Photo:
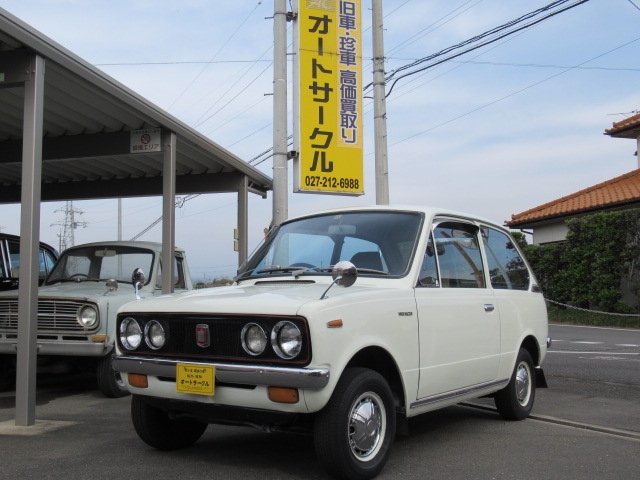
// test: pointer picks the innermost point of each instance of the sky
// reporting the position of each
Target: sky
(494, 132)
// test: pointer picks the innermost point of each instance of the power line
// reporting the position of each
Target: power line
(484, 39)
(514, 93)
(215, 54)
(180, 201)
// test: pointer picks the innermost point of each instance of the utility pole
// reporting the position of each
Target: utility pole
(280, 168)
(379, 106)
(69, 224)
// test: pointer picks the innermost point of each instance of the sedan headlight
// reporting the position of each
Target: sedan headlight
(254, 340)
(87, 317)
(130, 333)
(154, 335)
(286, 339)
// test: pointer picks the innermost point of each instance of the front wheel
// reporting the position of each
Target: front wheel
(354, 432)
(157, 429)
(514, 402)
(110, 382)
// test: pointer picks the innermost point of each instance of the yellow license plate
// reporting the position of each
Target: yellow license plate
(198, 379)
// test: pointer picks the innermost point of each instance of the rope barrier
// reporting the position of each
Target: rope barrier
(593, 311)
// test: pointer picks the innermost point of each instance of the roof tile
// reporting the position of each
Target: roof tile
(621, 190)
(631, 123)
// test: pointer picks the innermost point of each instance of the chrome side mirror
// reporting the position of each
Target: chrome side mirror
(344, 274)
(137, 278)
(112, 285)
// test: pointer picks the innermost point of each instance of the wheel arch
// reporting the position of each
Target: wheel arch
(531, 345)
(380, 360)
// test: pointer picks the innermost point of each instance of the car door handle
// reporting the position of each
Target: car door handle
(488, 307)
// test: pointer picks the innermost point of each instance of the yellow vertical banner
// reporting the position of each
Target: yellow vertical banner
(330, 97)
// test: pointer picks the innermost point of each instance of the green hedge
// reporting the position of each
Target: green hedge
(601, 253)
(569, 316)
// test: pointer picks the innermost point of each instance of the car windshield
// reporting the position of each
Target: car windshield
(101, 263)
(376, 242)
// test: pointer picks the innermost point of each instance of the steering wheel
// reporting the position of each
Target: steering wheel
(79, 275)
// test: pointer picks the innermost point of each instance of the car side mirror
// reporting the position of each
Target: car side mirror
(344, 274)
(137, 278)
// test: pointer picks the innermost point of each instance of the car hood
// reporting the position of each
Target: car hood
(96, 291)
(282, 298)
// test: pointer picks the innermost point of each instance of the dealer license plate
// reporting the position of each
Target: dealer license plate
(198, 379)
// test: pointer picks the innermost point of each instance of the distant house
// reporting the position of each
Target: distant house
(548, 222)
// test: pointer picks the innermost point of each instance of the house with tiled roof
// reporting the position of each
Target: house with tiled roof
(547, 222)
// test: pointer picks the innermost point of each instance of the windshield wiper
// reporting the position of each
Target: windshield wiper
(371, 270)
(282, 269)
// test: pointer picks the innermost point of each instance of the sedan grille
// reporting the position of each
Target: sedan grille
(53, 316)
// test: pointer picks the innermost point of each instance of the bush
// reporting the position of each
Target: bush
(599, 260)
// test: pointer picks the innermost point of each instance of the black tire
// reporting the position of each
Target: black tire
(110, 382)
(154, 427)
(515, 401)
(342, 452)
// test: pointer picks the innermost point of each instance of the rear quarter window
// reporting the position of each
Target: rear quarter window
(507, 269)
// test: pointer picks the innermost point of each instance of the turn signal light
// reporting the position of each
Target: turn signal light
(283, 395)
(137, 380)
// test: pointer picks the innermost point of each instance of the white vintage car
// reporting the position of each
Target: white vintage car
(78, 302)
(344, 323)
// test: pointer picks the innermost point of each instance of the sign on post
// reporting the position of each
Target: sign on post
(329, 79)
(146, 141)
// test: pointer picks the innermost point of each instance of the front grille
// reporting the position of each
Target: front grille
(225, 338)
(53, 316)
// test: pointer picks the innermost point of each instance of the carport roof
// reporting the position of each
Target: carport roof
(87, 136)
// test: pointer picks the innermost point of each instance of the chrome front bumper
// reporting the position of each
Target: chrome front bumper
(313, 378)
(71, 349)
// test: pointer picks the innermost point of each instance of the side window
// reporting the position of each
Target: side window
(458, 254)
(42, 269)
(14, 258)
(429, 269)
(507, 269)
(178, 274)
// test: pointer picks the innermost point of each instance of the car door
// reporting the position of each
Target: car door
(459, 322)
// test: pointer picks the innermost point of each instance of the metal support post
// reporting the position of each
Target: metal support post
(29, 244)
(379, 107)
(280, 169)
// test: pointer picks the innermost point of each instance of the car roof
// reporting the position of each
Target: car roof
(155, 246)
(428, 211)
(8, 236)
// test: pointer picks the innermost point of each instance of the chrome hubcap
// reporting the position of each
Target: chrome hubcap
(367, 425)
(523, 383)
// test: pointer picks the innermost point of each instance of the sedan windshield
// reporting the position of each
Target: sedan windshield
(376, 242)
(101, 263)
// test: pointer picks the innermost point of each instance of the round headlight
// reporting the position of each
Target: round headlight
(254, 340)
(154, 335)
(87, 317)
(130, 333)
(286, 339)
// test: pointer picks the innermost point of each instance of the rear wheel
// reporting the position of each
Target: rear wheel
(353, 434)
(154, 426)
(110, 382)
(515, 401)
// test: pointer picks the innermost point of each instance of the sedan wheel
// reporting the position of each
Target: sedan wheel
(515, 401)
(353, 434)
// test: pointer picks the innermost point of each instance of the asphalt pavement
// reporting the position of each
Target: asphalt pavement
(574, 432)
